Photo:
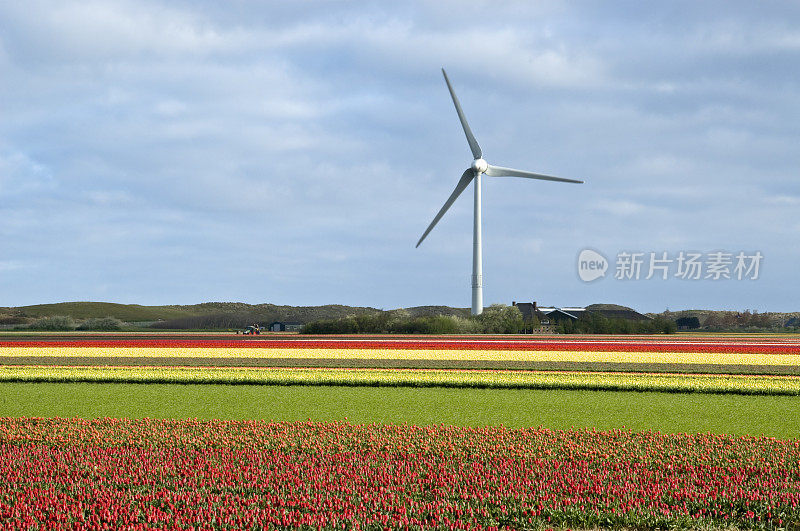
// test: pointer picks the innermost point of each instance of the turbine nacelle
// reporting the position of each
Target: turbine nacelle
(480, 165)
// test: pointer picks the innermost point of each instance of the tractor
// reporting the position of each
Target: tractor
(252, 330)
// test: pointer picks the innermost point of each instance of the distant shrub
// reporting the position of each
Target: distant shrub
(467, 325)
(354, 324)
(53, 323)
(501, 319)
(688, 322)
(104, 324)
(212, 321)
(497, 319)
(593, 323)
(433, 324)
(12, 320)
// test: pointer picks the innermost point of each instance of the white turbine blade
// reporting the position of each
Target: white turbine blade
(473, 144)
(466, 178)
(499, 171)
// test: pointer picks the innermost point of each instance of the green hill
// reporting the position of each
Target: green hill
(85, 310)
(182, 316)
(236, 314)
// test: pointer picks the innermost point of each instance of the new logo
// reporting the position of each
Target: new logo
(591, 265)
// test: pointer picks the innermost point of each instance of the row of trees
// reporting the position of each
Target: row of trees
(497, 319)
(730, 321)
(61, 323)
(593, 323)
(224, 321)
(734, 320)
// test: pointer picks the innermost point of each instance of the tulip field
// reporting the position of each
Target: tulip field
(436, 378)
(641, 354)
(108, 473)
(491, 432)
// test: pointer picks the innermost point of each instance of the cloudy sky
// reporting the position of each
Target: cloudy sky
(294, 152)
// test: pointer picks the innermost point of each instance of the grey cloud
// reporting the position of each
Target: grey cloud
(177, 152)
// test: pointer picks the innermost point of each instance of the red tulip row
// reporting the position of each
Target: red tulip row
(588, 345)
(215, 474)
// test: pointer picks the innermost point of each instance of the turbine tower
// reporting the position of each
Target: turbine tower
(479, 167)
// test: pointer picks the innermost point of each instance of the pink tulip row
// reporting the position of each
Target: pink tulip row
(111, 473)
(528, 343)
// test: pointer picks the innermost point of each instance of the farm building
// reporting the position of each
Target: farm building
(549, 316)
(280, 326)
(556, 315)
(687, 322)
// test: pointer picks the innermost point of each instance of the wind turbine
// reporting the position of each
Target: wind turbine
(479, 167)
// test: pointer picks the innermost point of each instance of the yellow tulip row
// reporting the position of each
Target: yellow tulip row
(704, 383)
(697, 358)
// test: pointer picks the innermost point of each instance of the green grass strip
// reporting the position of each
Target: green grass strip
(490, 379)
